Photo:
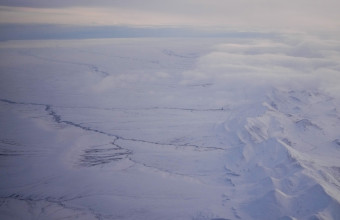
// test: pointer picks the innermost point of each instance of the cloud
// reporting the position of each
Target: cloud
(50, 4)
(312, 14)
(248, 66)
(127, 81)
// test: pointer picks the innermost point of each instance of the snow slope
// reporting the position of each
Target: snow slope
(170, 129)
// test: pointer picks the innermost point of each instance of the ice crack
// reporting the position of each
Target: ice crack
(103, 155)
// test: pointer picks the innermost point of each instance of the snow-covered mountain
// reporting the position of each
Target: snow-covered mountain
(170, 129)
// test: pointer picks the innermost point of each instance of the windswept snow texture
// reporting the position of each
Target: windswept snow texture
(198, 129)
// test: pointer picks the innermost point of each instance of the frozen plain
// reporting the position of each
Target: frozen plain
(197, 129)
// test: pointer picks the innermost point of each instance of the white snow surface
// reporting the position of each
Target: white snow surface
(199, 129)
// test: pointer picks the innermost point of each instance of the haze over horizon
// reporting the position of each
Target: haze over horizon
(260, 15)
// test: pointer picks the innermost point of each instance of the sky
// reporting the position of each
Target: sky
(234, 14)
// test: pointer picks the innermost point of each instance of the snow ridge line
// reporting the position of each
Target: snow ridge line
(280, 173)
(173, 53)
(190, 109)
(222, 109)
(31, 201)
(93, 68)
(134, 59)
(58, 119)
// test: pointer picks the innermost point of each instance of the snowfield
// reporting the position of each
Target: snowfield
(157, 128)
